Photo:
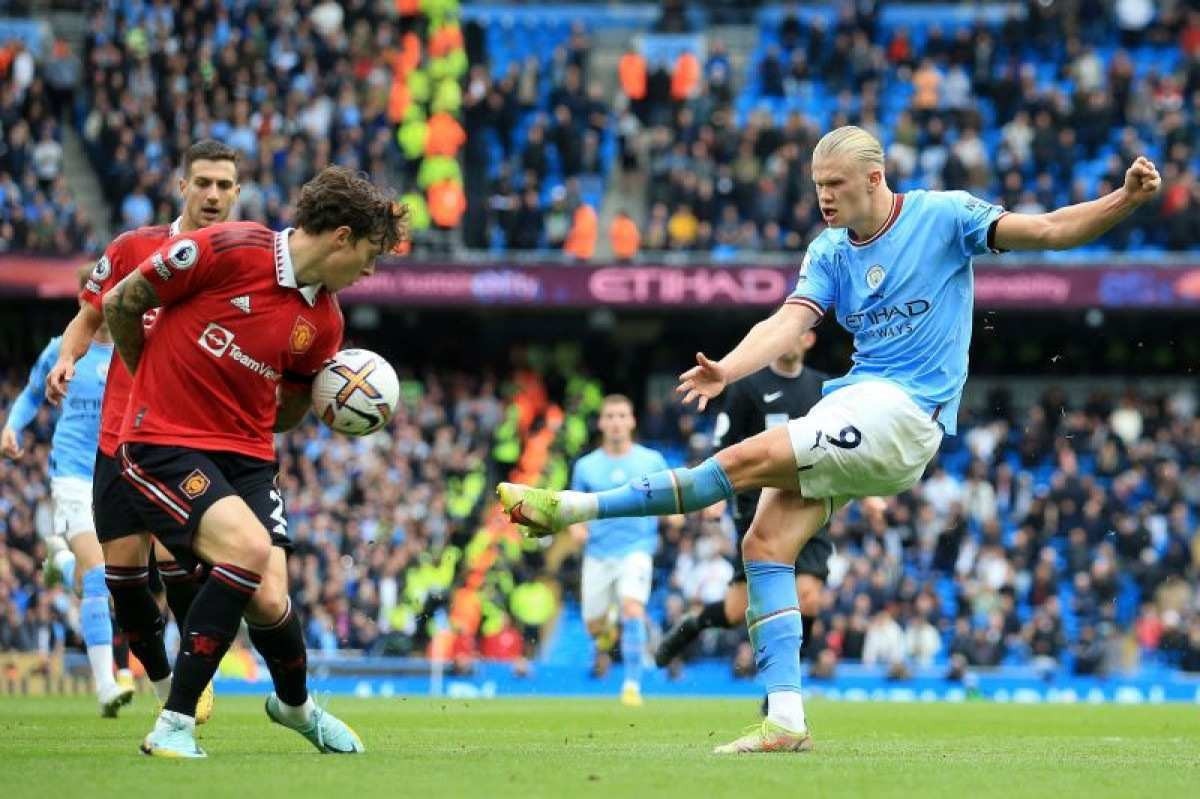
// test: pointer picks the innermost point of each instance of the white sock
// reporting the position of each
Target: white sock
(631, 685)
(124, 674)
(169, 719)
(162, 688)
(786, 708)
(101, 658)
(578, 506)
(297, 714)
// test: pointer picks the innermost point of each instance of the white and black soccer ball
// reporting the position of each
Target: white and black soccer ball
(355, 392)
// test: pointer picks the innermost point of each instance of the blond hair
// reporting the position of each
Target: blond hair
(851, 142)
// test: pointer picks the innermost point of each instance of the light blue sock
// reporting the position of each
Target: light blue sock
(633, 647)
(668, 491)
(773, 618)
(94, 621)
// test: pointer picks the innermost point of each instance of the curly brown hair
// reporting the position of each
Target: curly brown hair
(339, 197)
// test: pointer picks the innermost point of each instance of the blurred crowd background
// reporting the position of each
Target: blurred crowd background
(514, 132)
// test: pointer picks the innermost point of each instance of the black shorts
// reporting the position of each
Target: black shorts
(172, 487)
(112, 503)
(813, 559)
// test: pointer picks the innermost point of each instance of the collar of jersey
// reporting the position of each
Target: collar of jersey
(285, 272)
(897, 205)
(176, 227)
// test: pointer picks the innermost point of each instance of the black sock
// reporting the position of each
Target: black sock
(282, 647)
(713, 615)
(120, 646)
(138, 617)
(806, 625)
(181, 586)
(208, 631)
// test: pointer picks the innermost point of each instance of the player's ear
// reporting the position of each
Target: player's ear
(342, 237)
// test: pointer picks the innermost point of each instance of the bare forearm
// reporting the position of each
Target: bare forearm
(77, 337)
(1076, 225)
(292, 410)
(124, 307)
(766, 341)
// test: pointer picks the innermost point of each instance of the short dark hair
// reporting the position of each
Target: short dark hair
(339, 196)
(208, 150)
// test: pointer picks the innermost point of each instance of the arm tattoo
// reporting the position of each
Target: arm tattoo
(123, 309)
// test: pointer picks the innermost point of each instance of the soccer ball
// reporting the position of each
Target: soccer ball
(355, 392)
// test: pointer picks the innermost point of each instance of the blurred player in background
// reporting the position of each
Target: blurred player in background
(896, 270)
(73, 547)
(209, 189)
(618, 559)
(785, 390)
(248, 319)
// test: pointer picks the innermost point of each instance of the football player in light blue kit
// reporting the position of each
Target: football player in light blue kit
(618, 558)
(72, 457)
(896, 271)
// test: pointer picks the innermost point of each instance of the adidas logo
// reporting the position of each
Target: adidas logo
(242, 303)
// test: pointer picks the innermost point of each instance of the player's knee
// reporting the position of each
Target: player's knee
(760, 545)
(741, 461)
(632, 609)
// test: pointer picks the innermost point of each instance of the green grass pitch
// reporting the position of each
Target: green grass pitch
(56, 748)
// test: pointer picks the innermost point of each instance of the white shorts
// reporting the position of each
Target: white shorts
(867, 439)
(71, 498)
(606, 581)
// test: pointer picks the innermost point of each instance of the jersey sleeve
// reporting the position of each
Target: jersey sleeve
(975, 218)
(183, 266)
(25, 406)
(108, 272)
(815, 286)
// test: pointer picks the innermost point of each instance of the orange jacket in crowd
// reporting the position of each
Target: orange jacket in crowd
(581, 240)
(624, 236)
(447, 203)
(631, 69)
(685, 80)
(445, 136)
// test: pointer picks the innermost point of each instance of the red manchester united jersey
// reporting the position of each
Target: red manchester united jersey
(123, 255)
(234, 326)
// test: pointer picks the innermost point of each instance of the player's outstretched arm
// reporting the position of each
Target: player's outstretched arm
(124, 306)
(765, 342)
(1079, 224)
(76, 340)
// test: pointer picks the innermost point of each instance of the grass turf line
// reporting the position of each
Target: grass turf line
(58, 748)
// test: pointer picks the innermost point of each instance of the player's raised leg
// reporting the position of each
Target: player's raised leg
(762, 461)
(782, 525)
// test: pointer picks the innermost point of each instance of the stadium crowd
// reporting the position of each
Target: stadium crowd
(504, 141)
(1057, 536)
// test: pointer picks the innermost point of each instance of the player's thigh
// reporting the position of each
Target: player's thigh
(783, 523)
(113, 511)
(736, 602)
(866, 439)
(763, 460)
(270, 601)
(230, 532)
(598, 587)
(633, 584)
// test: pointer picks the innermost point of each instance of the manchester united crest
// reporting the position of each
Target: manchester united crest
(304, 333)
(195, 484)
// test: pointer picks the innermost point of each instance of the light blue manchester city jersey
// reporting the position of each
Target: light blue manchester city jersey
(73, 448)
(599, 471)
(906, 294)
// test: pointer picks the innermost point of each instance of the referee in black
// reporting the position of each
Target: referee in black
(786, 389)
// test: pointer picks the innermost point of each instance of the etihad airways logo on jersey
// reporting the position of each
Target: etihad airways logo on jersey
(888, 321)
(218, 341)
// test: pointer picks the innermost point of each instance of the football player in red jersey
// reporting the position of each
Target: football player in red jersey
(209, 189)
(249, 318)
